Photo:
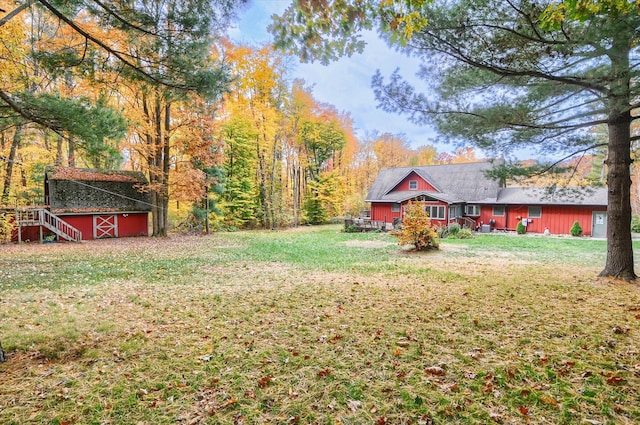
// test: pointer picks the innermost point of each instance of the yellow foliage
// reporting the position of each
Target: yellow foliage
(12, 46)
(417, 229)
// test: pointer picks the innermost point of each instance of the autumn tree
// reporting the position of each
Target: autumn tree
(416, 228)
(392, 150)
(322, 137)
(318, 141)
(254, 136)
(238, 200)
(40, 84)
(504, 75)
(161, 48)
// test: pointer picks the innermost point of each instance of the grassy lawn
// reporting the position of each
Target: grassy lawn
(316, 326)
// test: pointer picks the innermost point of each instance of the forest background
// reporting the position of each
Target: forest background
(261, 152)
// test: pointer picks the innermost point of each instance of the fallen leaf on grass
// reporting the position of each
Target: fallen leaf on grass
(265, 381)
(425, 420)
(619, 330)
(435, 370)
(548, 400)
(615, 380)
(229, 402)
(524, 410)
(324, 373)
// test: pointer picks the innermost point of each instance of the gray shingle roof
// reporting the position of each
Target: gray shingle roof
(549, 196)
(467, 183)
(79, 190)
(456, 183)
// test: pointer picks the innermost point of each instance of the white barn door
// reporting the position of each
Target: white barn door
(105, 226)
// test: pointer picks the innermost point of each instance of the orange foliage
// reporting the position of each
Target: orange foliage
(416, 228)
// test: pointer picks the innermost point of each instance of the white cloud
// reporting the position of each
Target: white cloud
(346, 83)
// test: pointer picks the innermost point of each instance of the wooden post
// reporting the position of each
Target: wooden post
(19, 226)
(206, 207)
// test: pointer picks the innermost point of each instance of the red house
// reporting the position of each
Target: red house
(86, 204)
(463, 194)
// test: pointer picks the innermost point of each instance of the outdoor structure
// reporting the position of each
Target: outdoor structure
(83, 204)
(463, 194)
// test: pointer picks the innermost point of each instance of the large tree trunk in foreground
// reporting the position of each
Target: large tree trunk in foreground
(619, 248)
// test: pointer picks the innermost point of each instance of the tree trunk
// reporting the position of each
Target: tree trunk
(166, 166)
(59, 141)
(262, 180)
(296, 182)
(619, 247)
(15, 144)
(157, 165)
(72, 152)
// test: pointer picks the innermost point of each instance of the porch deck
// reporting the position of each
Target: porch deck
(368, 225)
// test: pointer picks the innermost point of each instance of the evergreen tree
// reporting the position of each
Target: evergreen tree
(505, 75)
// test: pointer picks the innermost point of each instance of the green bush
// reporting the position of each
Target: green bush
(520, 229)
(453, 229)
(465, 234)
(351, 229)
(635, 224)
(576, 230)
(443, 232)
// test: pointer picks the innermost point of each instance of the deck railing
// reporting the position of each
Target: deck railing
(43, 217)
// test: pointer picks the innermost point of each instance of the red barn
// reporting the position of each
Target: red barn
(463, 194)
(88, 204)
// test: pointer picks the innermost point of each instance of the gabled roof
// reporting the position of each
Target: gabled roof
(84, 190)
(455, 183)
(592, 196)
(417, 170)
(92, 174)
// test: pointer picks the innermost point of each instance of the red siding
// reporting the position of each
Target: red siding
(129, 224)
(29, 234)
(381, 211)
(423, 185)
(486, 215)
(558, 219)
(133, 225)
(84, 223)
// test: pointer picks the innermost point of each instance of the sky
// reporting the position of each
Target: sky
(346, 83)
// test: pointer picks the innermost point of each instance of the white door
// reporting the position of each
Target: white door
(599, 228)
(105, 226)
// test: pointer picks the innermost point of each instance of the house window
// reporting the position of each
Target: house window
(413, 184)
(395, 207)
(472, 210)
(435, 212)
(535, 212)
(498, 210)
(455, 211)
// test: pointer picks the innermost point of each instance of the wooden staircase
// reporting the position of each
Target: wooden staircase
(42, 217)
